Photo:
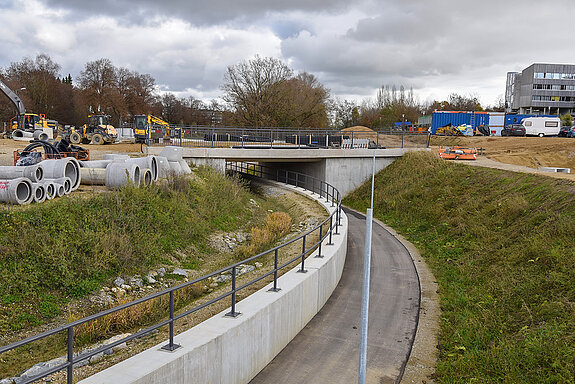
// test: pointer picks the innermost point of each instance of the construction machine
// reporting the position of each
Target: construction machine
(27, 122)
(97, 131)
(151, 128)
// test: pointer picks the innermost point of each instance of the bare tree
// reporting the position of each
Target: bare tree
(40, 79)
(99, 83)
(251, 89)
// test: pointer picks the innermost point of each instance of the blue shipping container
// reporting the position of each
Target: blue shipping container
(444, 118)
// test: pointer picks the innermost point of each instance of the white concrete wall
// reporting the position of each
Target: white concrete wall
(233, 350)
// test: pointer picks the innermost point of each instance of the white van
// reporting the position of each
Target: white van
(541, 126)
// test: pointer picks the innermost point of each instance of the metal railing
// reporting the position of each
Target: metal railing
(326, 229)
(271, 137)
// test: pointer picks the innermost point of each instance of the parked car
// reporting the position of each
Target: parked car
(513, 130)
(571, 132)
(564, 131)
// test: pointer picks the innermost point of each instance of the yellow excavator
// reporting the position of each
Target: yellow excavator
(27, 122)
(150, 128)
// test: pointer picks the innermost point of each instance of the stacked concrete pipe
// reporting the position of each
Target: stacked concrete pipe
(115, 170)
(147, 178)
(164, 169)
(20, 135)
(93, 176)
(38, 192)
(50, 189)
(148, 162)
(66, 182)
(33, 172)
(120, 174)
(175, 157)
(16, 191)
(67, 167)
(40, 135)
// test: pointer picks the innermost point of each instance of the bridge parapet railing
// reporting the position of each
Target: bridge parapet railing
(272, 137)
(310, 240)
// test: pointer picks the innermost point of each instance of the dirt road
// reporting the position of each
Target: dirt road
(533, 152)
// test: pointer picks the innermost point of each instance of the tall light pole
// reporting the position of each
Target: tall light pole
(366, 284)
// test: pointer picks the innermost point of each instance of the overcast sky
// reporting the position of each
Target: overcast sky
(353, 47)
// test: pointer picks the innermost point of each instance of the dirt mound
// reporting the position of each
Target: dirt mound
(357, 128)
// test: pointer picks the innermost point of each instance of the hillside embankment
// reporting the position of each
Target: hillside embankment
(502, 249)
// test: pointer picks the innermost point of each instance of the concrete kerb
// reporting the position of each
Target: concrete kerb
(234, 350)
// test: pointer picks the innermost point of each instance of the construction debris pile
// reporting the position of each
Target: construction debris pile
(23, 184)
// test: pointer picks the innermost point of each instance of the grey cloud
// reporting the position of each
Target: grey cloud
(198, 13)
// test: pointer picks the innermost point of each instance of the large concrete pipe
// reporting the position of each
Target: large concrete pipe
(147, 178)
(176, 168)
(185, 167)
(172, 153)
(20, 134)
(49, 188)
(59, 190)
(120, 174)
(40, 135)
(149, 162)
(164, 169)
(66, 182)
(33, 172)
(38, 192)
(93, 176)
(67, 167)
(116, 157)
(95, 163)
(16, 191)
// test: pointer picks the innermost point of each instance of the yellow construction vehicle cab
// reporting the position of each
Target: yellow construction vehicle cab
(29, 122)
(151, 128)
(98, 131)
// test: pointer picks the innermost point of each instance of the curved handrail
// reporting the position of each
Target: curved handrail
(299, 180)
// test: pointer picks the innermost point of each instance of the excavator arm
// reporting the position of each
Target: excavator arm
(13, 98)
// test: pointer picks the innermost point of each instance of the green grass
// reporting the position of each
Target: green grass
(66, 248)
(502, 247)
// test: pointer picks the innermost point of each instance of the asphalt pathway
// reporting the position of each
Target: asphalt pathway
(327, 349)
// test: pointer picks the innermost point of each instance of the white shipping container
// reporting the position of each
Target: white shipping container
(496, 123)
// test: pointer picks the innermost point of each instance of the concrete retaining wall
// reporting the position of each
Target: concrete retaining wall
(234, 350)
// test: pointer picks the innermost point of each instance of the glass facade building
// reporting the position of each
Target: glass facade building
(541, 89)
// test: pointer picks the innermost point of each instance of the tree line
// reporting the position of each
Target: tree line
(259, 92)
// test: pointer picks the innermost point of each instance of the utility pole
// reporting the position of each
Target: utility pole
(366, 284)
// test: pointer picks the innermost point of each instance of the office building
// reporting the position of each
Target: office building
(541, 89)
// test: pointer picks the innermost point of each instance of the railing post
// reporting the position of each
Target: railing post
(320, 241)
(327, 193)
(171, 346)
(233, 312)
(275, 287)
(296, 179)
(337, 222)
(330, 230)
(70, 368)
(303, 270)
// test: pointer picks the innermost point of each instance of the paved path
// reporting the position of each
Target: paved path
(327, 349)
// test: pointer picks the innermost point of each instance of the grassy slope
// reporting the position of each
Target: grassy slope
(502, 247)
(70, 246)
